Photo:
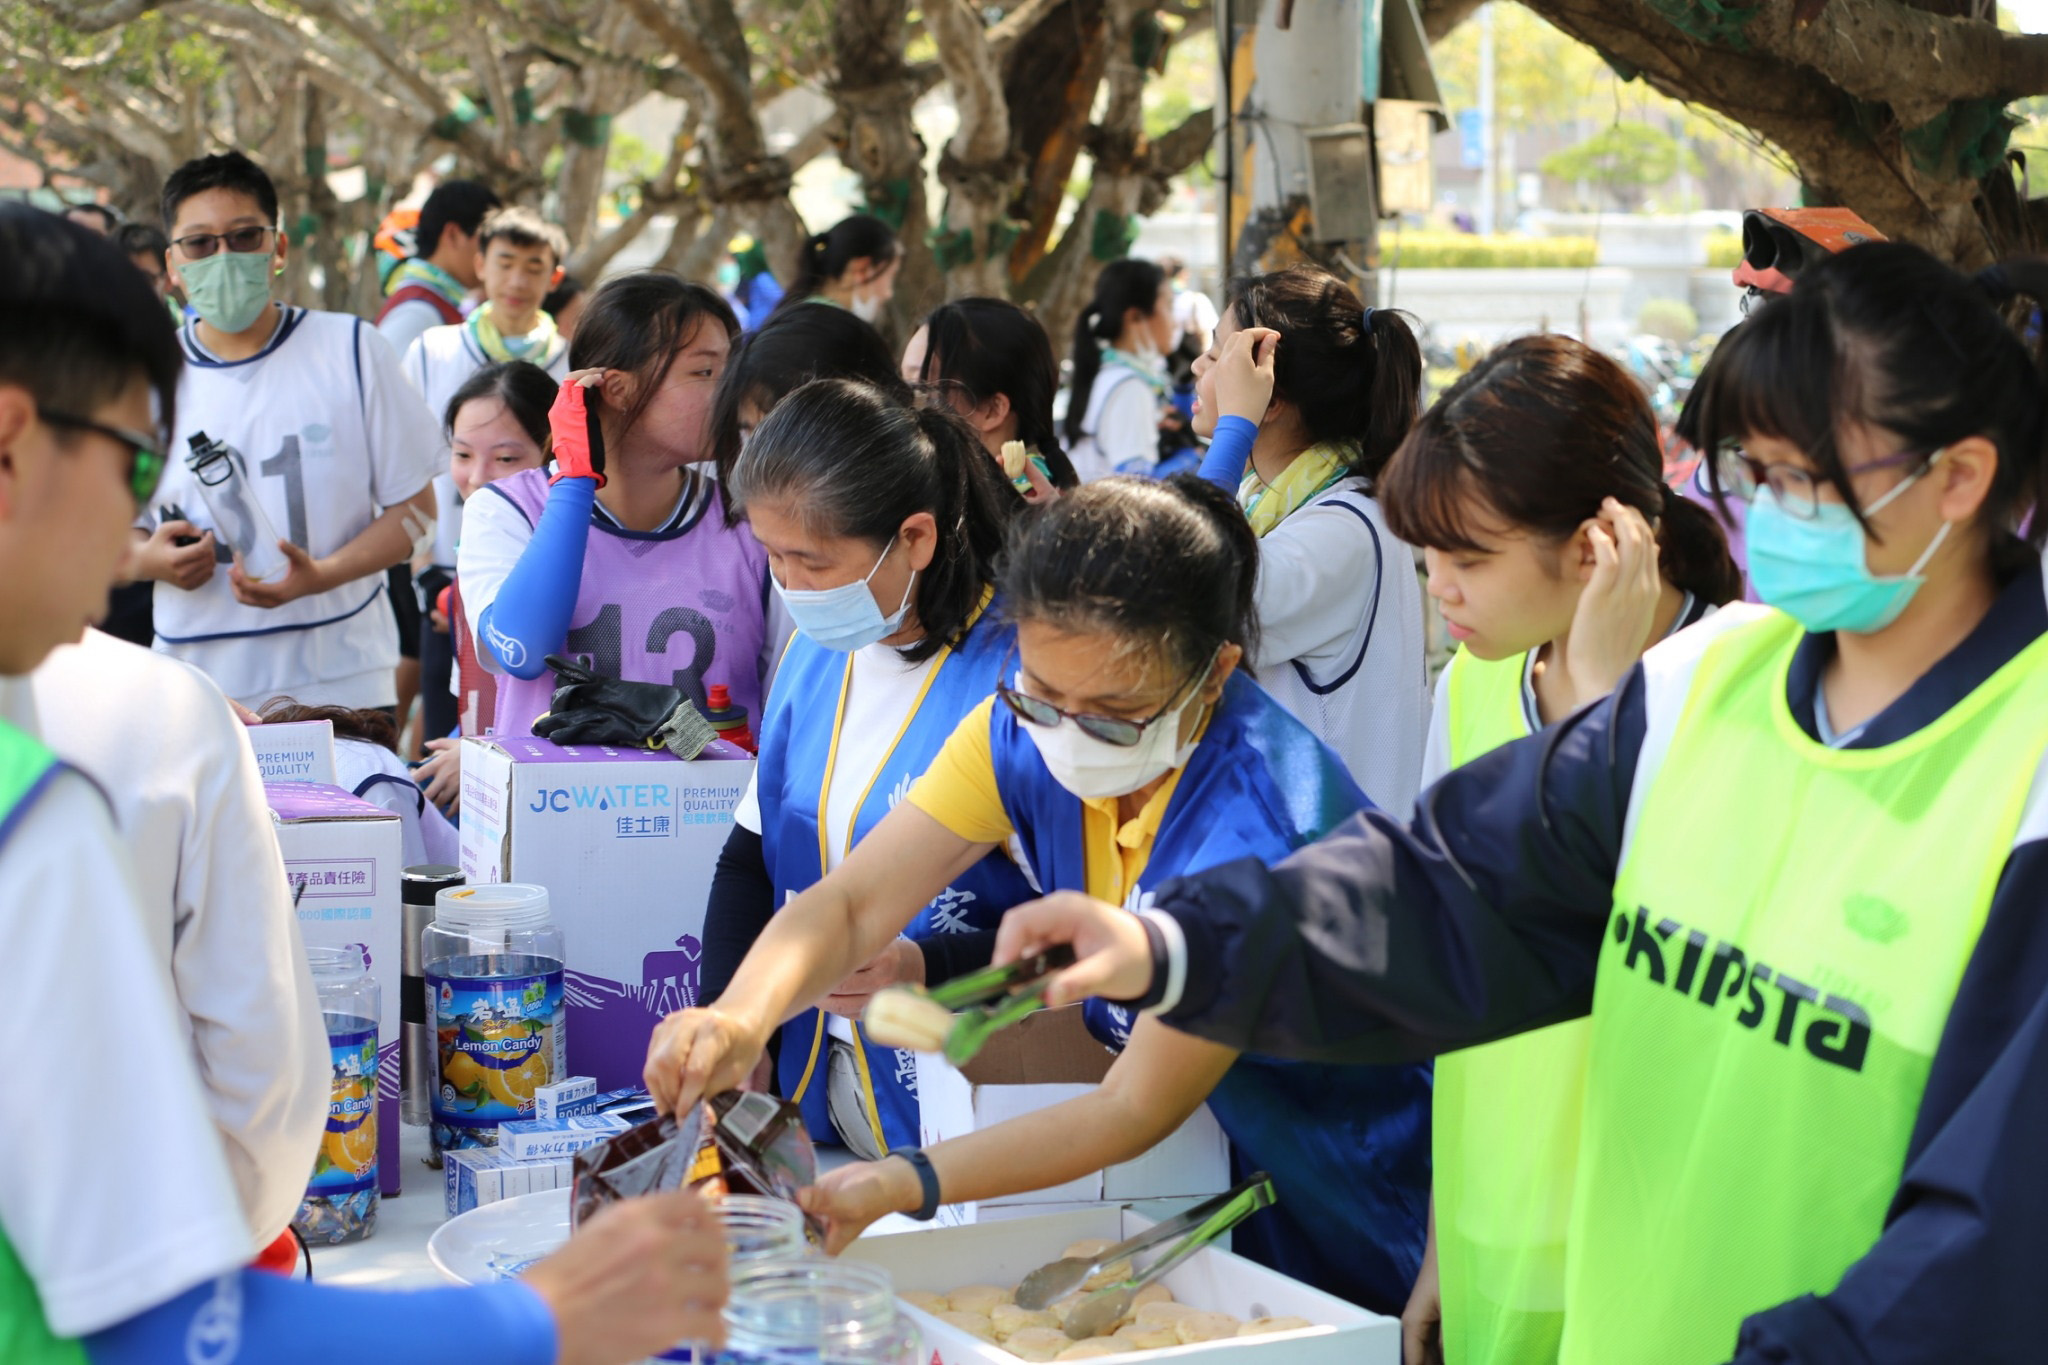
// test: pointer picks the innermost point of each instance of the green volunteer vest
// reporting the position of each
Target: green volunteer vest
(25, 1336)
(1790, 925)
(1505, 1124)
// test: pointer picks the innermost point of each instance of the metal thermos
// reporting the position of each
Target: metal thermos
(419, 1057)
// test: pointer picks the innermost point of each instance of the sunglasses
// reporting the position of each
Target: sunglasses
(145, 453)
(1116, 730)
(241, 240)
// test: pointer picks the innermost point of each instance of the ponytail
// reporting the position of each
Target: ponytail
(1353, 373)
(1168, 566)
(1122, 286)
(1692, 552)
(847, 460)
(825, 256)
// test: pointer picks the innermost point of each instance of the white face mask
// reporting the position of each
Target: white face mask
(865, 307)
(1093, 769)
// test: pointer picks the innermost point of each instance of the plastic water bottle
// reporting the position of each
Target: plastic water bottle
(493, 958)
(341, 1198)
(238, 516)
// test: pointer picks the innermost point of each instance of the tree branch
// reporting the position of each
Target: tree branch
(95, 18)
(1914, 61)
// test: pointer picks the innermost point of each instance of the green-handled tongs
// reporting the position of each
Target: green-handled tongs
(980, 1003)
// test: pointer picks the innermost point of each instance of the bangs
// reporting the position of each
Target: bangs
(1779, 375)
(1429, 492)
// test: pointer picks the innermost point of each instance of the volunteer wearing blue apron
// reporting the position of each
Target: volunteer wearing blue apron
(1122, 748)
(882, 525)
(1794, 866)
(1556, 555)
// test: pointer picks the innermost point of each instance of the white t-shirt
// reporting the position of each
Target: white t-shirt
(407, 322)
(1121, 423)
(438, 364)
(380, 777)
(495, 533)
(879, 699)
(113, 1189)
(1341, 638)
(330, 435)
(188, 800)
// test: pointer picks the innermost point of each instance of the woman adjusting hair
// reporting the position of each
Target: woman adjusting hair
(1793, 866)
(1124, 746)
(882, 525)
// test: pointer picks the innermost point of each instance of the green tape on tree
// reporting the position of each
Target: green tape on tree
(586, 129)
(1112, 235)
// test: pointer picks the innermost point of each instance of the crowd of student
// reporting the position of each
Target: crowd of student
(1666, 987)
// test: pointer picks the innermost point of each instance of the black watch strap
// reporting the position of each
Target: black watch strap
(927, 1180)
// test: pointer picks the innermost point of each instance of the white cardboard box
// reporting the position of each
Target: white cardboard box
(297, 751)
(625, 841)
(944, 1259)
(346, 854)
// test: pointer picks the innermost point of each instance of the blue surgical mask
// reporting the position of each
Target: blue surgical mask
(1816, 571)
(230, 289)
(845, 618)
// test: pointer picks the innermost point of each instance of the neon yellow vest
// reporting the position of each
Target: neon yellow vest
(1505, 1124)
(1790, 925)
(25, 1336)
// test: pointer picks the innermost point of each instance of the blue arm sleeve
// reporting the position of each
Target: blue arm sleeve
(1388, 942)
(529, 620)
(1952, 1276)
(1230, 450)
(250, 1316)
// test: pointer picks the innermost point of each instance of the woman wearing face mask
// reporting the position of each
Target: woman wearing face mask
(1123, 748)
(1557, 556)
(1306, 394)
(851, 265)
(882, 524)
(619, 555)
(1794, 866)
(993, 363)
(1119, 380)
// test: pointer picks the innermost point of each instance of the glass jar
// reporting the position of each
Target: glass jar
(815, 1312)
(341, 1197)
(493, 966)
(760, 1229)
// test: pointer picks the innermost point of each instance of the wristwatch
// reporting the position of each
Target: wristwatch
(927, 1180)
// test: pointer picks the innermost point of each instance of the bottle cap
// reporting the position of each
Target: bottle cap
(494, 909)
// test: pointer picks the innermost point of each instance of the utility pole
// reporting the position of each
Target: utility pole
(1489, 140)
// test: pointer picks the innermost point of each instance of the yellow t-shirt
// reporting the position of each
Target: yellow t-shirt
(959, 791)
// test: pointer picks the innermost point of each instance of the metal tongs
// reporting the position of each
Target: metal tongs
(1102, 1309)
(980, 1004)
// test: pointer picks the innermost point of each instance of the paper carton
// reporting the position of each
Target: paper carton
(297, 751)
(943, 1259)
(1047, 1059)
(475, 1176)
(345, 854)
(625, 841)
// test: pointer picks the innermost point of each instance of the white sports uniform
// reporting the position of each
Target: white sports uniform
(1120, 423)
(439, 363)
(329, 435)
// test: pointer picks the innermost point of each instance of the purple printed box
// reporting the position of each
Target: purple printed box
(342, 857)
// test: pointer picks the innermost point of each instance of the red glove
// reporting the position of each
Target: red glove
(578, 440)
(444, 602)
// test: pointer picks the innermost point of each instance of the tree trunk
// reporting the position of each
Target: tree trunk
(977, 167)
(873, 92)
(1049, 85)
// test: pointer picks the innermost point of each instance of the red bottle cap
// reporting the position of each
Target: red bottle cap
(721, 697)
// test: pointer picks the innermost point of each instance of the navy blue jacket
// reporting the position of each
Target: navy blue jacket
(1483, 918)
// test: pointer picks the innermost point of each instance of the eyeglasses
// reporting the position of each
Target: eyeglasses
(241, 241)
(1797, 489)
(145, 453)
(1116, 730)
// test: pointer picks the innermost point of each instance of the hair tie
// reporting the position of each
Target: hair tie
(1365, 324)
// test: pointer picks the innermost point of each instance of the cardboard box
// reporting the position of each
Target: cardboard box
(625, 841)
(549, 1139)
(551, 1101)
(475, 1176)
(944, 1259)
(346, 854)
(299, 751)
(1048, 1059)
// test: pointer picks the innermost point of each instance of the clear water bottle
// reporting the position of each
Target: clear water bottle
(493, 959)
(238, 516)
(341, 1198)
(815, 1312)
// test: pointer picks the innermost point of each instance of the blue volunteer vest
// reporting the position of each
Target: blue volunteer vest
(1347, 1146)
(798, 742)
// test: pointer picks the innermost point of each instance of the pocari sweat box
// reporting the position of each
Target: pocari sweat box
(625, 841)
(345, 854)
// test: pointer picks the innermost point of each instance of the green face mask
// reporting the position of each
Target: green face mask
(229, 288)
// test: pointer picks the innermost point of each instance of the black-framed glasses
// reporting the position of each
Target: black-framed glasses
(241, 241)
(1797, 489)
(145, 452)
(1117, 730)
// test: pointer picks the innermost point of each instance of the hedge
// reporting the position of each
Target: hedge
(1466, 251)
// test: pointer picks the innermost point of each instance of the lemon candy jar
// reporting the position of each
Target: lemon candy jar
(341, 1197)
(493, 966)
